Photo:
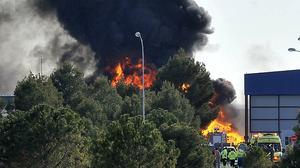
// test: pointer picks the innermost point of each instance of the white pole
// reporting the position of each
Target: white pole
(138, 34)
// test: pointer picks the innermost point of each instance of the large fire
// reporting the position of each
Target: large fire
(131, 74)
(221, 124)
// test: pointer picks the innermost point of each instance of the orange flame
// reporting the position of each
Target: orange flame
(131, 74)
(185, 87)
(220, 124)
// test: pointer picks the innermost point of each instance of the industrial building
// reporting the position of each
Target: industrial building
(272, 103)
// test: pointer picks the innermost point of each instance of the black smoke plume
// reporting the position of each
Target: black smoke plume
(223, 97)
(109, 26)
(224, 92)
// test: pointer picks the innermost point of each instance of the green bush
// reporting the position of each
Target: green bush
(257, 158)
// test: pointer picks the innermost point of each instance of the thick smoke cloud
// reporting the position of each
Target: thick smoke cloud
(224, 92)
(26, 36)
(108, 26)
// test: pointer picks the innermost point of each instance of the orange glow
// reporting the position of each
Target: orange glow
(185, 87)
(131, 74)
(220, 124)
(276, 158)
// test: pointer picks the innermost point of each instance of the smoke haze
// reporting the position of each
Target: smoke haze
(235, 114)
(25, 37)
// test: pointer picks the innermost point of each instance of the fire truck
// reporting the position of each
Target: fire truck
(218, 139)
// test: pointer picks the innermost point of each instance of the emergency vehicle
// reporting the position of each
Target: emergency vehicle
(268, 141)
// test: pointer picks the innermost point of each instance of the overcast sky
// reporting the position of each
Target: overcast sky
(251, 36)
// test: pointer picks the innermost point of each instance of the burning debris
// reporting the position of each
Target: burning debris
(131, 74)
(224, 124)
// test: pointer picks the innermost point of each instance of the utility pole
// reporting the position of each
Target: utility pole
(41, 65)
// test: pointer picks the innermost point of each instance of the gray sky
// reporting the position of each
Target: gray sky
(250, 36)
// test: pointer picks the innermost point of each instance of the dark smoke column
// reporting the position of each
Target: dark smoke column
(108, 26)
(224, 92)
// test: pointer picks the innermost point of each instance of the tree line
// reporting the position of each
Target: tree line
(63, 121)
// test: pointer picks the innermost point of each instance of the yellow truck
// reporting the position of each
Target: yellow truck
(271, 143)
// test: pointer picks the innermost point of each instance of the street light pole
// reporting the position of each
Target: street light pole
(293, 50)
(139, 35)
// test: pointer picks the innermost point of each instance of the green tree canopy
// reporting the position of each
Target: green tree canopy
(2, 106)
(204, 115)
(132, 105)
(68, 80)
(107, 97)
(292, 160)
(130, 142)
(293, 157)
(126, 90)
(182, 69)
(88, 108)
(43, 137)
(170, 99)
(2, 103)
(297, 127)
(257, 158)
(160, 117)
(34, 90)
(194, 150)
